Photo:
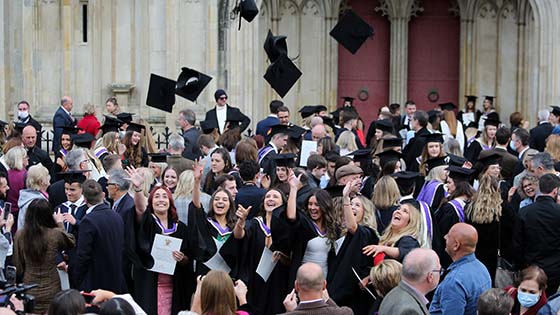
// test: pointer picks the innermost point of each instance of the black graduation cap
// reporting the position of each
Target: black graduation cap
(296, 131)
(351, 31)
(70, 130)
(435, 162)
(335, 190)
(433, 114)
(492, 121)
(282, 74)
(135, 127)
(108, 127)
(73, 176)
(307, 111)
(275, 46)
(125, 117)
(208, 126)
(190, 84)
(490, 98)
(276, 129)
(490, 159)
(361, 155)
(411, 201)
(329, 121)
(388, 156)
(384, 125)
(247, 10)
(83, 140)
(287, 159)
(161, 93)
(556, 110)
(471, 98)
(234, 119)
(405, 179)
(456, 160)
(392, 142)
(448, 106)
(159, 157)
(114, 120)
(459, 173)
(433, 137)
(348, 99)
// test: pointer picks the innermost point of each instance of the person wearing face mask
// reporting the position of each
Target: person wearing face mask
(24, 117)
(537, 243)
(529, 296)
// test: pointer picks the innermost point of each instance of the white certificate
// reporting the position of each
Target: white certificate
(217, 262)
(307, 146)
(266, 264)
(64, 281)
(162, 253)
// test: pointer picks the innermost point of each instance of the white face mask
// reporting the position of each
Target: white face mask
(512, 146)
(23, 115)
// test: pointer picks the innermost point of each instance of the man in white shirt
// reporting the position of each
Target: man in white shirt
(222, 112)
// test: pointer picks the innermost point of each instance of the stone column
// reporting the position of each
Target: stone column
(399, 13)
(124, 53)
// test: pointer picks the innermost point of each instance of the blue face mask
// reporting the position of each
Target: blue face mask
(527, 299)
(512, 146)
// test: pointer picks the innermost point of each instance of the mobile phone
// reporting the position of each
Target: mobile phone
(7, 209)
(88, 297)
(11, 273)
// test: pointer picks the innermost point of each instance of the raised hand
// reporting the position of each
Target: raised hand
(198, 168)
(58, 217)
(290, 302)
(242, 212)
(372, 250)
(293, 180)
(134, 176)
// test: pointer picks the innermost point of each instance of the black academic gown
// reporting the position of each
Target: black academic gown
(445, 217)
(69, 255)
(56, 192)
(265, 297)
(414, 149)
(202, 236)
(384, 217)
(146, 282)
(342, 284)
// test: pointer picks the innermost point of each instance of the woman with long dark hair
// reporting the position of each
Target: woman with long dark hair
(36, 248)
(135, 154)
(159, 293)
(220, 164)
(212, 231)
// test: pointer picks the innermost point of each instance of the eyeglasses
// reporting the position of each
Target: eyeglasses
(109, 184)
(441, 271)
(223, 97)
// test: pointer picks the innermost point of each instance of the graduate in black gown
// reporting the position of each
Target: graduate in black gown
(453, 208)
(159, 293)
(470, 116)
(214, 245)
(342, 283)
(433, 191)
(266, 238)
(486, 141)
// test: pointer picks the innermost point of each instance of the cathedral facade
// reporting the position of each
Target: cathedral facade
(429, 51)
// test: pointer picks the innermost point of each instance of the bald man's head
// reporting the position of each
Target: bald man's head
(67, 102)
(318, 132)
(418, 263)
(310, 278)
(29, 136)
(461, 240)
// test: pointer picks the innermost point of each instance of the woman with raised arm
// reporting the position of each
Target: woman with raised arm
(359, 220)
(212, 232)
(159, 293)
(267, 236)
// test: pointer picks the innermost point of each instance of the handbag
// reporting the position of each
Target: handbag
(505, 274)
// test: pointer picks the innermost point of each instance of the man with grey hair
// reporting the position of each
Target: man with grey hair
(117, 187)
(420, 275)
(311, 288)
(62, 118)
(540, 133)
(541, 164)
(186, 120)
(76, 160)
(175, 159)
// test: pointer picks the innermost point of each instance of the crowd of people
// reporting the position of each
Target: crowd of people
(419, 213)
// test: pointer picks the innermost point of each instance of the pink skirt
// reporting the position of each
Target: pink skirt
(164, 294)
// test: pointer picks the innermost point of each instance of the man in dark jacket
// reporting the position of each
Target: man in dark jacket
(540, 133)
(223, 112)
(272, 119)
(24, 117)
(187, 119)
(537, 235)
(414, 148)
(100, 245)
(249, 194)
(62, 118)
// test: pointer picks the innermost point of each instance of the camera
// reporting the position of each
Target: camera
(19, 292)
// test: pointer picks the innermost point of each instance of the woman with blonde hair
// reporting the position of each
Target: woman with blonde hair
(17, 160)
(384, 277)
(450, 127)
(401, 236)
(493, 220)
(183, 195)
(553, 148)
(385, 199)
(433, 191)
(433, 149)
(347, 142)
(37, 182)
(89, 122)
